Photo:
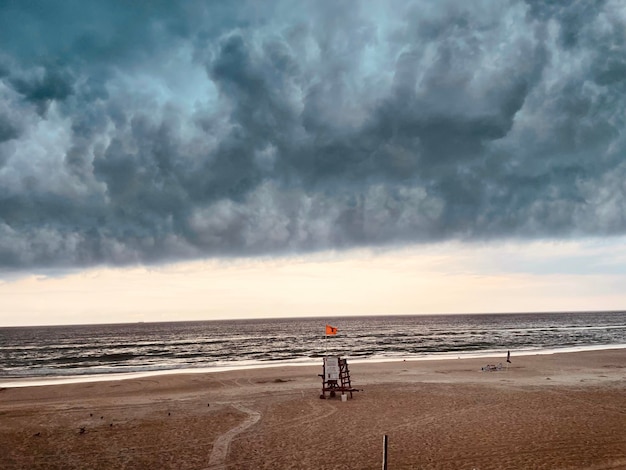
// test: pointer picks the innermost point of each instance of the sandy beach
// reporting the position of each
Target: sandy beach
(557, 411)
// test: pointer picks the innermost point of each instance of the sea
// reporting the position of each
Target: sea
(59, 354)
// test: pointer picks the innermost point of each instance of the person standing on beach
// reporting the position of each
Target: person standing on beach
(508, 357)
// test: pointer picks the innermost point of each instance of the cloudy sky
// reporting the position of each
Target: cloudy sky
(201, 159)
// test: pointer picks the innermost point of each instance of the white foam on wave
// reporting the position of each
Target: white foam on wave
(242, 365)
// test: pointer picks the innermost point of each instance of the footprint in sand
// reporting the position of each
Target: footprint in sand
(222, 443)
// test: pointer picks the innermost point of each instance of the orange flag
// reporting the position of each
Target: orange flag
(331, 330)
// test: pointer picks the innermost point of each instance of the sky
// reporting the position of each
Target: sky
(206, 160)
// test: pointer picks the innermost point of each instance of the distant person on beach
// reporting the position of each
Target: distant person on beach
(508, 357)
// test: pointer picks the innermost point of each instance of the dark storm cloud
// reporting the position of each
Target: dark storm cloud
(134, 132)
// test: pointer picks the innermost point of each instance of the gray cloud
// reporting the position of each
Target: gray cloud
(145, 133)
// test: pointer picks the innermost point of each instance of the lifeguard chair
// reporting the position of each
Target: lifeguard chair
(336, 377)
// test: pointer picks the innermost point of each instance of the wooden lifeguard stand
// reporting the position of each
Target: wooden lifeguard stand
(336, 377)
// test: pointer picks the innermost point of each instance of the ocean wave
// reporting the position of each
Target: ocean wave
(106, 349)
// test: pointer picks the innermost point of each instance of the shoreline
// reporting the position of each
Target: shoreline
(544, 411)
(38, 381)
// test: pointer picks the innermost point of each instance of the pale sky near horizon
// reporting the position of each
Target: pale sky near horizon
(215, 159)
(439, 279)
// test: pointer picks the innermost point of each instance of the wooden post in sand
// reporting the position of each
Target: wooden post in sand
(385, 452)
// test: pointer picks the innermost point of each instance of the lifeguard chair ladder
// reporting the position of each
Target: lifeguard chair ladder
(336, 377)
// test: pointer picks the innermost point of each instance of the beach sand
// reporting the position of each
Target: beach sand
(545, 412)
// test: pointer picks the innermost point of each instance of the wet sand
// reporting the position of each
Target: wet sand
(557, 411)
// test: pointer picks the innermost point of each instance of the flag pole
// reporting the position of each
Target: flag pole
(325, 342)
